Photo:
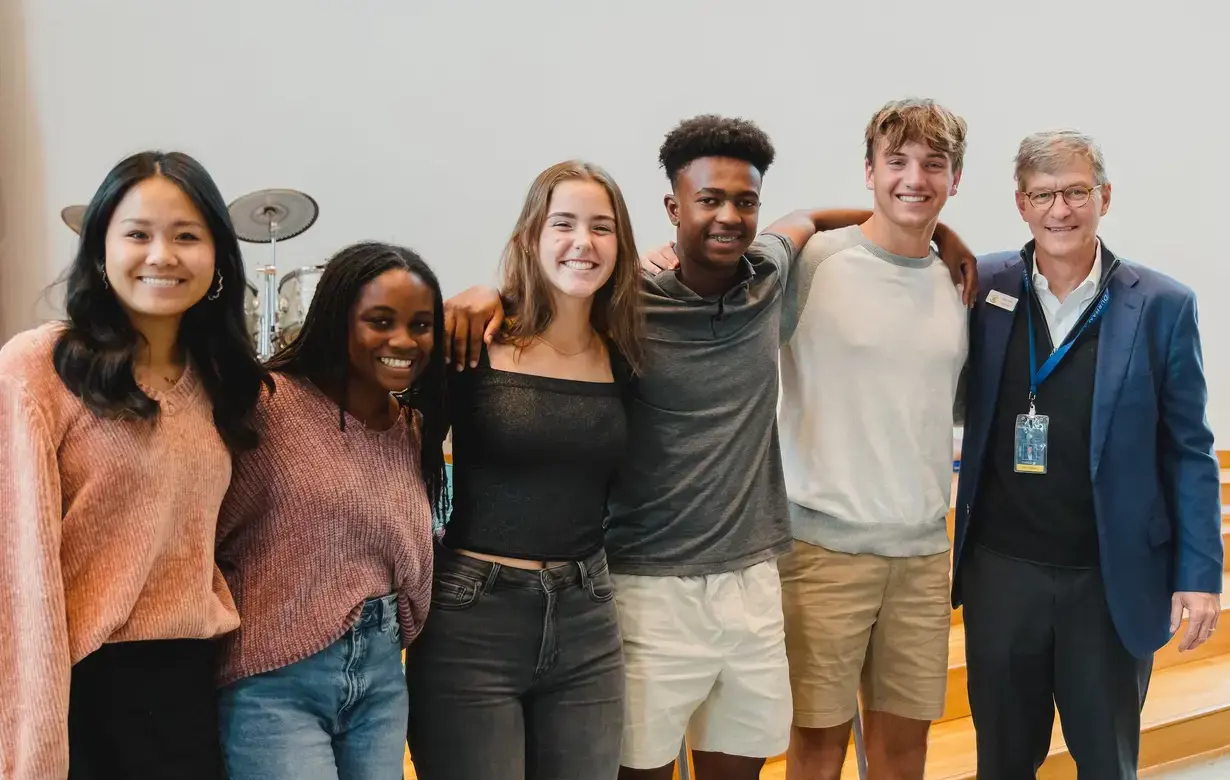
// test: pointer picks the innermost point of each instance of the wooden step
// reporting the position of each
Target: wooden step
(1171, 769)
(956, 700)
(1223, 457)
(1187, 713)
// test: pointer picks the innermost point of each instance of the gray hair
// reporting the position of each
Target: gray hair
(1050, 151)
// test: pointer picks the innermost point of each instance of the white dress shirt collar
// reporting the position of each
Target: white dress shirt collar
(1062, 316)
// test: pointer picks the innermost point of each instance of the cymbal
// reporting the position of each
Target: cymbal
(255, 214)
(72, 216)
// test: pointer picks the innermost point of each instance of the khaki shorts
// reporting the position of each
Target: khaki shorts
(881, 621)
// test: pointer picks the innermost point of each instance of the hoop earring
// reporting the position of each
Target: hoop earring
(214, 295)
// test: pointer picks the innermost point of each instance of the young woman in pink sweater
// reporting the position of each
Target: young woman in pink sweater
(325, 537)
(117, 428)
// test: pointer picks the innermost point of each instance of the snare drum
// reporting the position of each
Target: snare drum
(295, 293)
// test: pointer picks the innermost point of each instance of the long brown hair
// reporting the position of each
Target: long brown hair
(616, 312)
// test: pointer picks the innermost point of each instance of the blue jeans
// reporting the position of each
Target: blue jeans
(337, 715)
(518, 675)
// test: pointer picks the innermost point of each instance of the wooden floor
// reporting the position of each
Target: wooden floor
(1186, 716)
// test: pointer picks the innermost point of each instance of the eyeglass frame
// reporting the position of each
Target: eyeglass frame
(1063, 194)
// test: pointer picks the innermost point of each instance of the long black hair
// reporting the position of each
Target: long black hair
(320, 353)
(94, 355)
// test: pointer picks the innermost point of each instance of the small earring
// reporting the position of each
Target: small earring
(214, 295)
(103, 273)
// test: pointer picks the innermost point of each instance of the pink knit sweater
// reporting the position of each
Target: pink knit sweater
(106, 535)
(317, 520)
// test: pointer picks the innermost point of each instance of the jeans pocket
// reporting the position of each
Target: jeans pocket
(601, 589)
(454, 591)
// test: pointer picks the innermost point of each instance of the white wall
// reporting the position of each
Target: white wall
(24, 229)
(424, 122)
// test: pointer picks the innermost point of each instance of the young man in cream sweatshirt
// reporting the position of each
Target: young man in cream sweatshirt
(874, 340)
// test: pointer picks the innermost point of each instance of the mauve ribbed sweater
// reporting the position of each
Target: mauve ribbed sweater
(318, 519)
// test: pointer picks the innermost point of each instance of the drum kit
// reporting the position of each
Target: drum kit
(275, 310)
(72, 216)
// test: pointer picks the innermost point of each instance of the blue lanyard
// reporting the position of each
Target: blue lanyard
(1039, 375)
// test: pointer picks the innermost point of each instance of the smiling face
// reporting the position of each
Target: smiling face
(715, 207)
(392, 331)
(911, 184)
(159, 252)
(1063, 208)
(578, 245)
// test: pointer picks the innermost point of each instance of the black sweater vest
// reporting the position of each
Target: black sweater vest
(1044, 518)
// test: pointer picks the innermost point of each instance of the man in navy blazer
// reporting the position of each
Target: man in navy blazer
(1089, 507)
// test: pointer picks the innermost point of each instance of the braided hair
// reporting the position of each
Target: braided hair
(320, 353)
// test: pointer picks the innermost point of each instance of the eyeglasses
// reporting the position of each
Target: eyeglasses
(1075, 196)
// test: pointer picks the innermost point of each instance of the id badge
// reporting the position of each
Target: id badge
(1031, 430)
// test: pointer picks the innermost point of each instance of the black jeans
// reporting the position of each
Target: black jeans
(517, 675)
(145, 711)
(1040, 637)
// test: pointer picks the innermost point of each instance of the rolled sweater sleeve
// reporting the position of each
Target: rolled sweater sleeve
(35, 664)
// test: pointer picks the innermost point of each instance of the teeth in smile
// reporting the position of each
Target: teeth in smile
(159, 282)
(724, 239)
(395, 363)
(912, 198)
(580, 265)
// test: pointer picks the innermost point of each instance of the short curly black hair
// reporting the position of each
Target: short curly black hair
(710, 135)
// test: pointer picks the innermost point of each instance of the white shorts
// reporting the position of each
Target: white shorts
(705, 655)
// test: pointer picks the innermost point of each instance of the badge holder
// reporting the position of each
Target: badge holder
(1030, 446)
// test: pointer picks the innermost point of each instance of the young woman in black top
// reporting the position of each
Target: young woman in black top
(518, 673)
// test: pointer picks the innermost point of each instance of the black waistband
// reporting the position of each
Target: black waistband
(491, 574)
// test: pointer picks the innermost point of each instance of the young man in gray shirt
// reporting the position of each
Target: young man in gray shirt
(698, 511)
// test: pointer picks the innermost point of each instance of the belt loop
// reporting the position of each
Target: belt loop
(583, 568)
(492, 575)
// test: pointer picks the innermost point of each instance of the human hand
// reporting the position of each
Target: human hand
(471, 319)
(961, 262)
(662, 258)
(1203, 610)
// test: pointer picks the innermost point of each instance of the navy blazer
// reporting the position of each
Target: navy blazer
(1156, 480)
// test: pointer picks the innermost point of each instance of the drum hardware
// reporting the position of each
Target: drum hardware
(267, 217)
(73, 216)
(252, 310)
(295, 294)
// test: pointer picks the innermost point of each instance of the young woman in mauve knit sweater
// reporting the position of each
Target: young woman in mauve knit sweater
(518, 674)
(117, 429)
(325, 537)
